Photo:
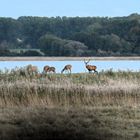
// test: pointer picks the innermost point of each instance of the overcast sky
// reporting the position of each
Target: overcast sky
(70, 8)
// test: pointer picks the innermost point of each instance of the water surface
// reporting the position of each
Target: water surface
(77, 66)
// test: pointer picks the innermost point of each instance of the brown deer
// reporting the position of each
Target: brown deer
(51, 69)
(67, 68)
(47, 69)
(32, 69)
(90, 67)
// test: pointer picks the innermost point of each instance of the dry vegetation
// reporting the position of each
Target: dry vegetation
(71, 106)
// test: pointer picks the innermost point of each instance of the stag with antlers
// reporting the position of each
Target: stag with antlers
(67, 68)
(90, 68)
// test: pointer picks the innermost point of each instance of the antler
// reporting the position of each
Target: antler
(87, 61)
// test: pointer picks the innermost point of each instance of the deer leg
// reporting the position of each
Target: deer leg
(90, 71)
(70, 70)
(95, 71)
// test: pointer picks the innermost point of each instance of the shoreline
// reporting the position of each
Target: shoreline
(66, 58)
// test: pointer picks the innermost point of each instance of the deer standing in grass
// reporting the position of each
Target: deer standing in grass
(32, 69)
(90, 67)
(67, 68)
(47, 69)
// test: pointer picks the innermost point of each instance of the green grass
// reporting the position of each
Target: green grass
(102, 106)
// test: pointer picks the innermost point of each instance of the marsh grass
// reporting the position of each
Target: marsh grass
(105, 89)
(102, 106)
(73, 123)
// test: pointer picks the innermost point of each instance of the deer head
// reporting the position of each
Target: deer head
(86, 62)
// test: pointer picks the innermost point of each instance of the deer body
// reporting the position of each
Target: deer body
(45, 69)
(67, 68)
(51, 69)
(32, 69)
(48, 69)
(90, 68)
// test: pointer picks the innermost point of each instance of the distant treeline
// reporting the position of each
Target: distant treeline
(70, 36)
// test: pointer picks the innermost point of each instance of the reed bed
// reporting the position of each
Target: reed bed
(104, 89)
(103, 106)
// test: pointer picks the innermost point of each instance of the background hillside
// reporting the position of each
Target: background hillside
(70, 36)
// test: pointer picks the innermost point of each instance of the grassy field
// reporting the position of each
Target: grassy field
(104, 106)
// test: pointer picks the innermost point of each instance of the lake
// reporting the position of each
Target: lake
(77, 66)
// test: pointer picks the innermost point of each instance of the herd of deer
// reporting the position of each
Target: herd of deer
(48, 69)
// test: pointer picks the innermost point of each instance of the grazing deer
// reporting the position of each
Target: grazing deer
(45, 69)
(51, 69)
(32, 69)
(67, 68)
(90, 67)
(48, 69)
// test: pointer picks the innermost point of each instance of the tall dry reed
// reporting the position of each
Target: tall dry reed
(105, 89)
